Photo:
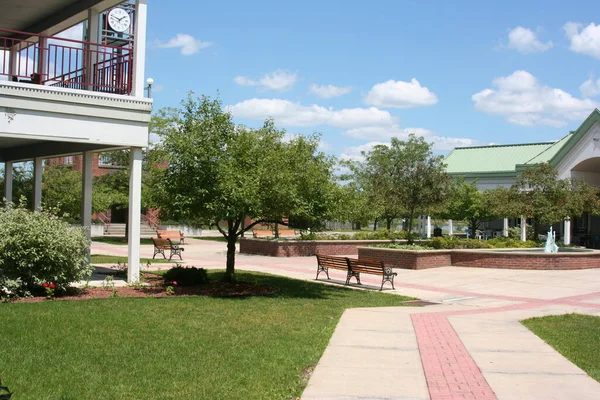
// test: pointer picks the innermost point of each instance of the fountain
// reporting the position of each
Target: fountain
(551, 246)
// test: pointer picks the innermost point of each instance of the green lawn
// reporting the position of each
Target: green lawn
(118, 240)
(575, 336)
(104, 259)
(174, 348)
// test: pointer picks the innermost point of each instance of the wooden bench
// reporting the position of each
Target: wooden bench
(357, 267)
(262, 233)
(287, 233)
(354, 268)
(173, 235)
(161, 245)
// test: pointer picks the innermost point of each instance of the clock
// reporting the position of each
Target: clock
(119, 19)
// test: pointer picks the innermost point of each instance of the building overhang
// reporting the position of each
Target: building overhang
(48, 16)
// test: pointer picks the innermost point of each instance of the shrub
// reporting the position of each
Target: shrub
(402, 246)
(186, 276)
(500, 243)
(38, 247)
(457, 243)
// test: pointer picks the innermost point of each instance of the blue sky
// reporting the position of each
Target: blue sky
(459, 73)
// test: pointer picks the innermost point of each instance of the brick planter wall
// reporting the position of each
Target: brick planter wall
(300, 248)
(517, 260)
(407, 259)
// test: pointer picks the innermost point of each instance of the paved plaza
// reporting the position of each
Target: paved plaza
(469, 345)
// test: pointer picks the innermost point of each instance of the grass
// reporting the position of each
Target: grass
(104, 259)
(575, 336)
(213, 238)
(175, 348)
(118, 240)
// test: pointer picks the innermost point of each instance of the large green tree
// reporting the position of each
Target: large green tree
(222, 172)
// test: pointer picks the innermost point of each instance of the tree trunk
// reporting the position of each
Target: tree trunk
(410, 225)
(388, 222)
(230, 269)
(375, 224)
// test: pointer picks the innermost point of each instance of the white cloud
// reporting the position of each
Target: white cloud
(522, 100)
(324, 146)
(187, 43)
(525, 41)
(280, 80)
(590, 88)
(355, 152)
(586, 40)
(329, 91)
(74, 33)
(384, 132)
(288, 113)
(399, 94)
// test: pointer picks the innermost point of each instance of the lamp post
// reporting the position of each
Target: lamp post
(149, 82)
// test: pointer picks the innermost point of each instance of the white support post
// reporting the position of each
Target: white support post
(139, 47)
(37, 182)
(93, 26)
(13, 68)
(523, 229)
(135, 209)
(86, 203)
(567, 233)
(428, 227)
(505, 228)
(8, 181)
(450, 227)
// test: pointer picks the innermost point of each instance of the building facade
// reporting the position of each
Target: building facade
(576, 155)
(65, 97)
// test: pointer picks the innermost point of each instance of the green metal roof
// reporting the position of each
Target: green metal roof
(498, 158)
(505, 160)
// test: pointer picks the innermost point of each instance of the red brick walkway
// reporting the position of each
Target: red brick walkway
(450, 371)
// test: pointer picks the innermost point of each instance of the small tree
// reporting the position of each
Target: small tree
(223, 173)
(467, 203)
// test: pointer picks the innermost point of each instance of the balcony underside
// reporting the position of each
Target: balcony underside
(42, 121)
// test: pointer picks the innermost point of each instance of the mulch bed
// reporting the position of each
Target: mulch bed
(157, 289)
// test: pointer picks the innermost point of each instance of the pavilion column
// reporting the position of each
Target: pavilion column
(139, 45)
(8, 181)
(567, 231)
(37, 183)
(135, 209)
(86, 203)
(428, 227)
(450, 227)
(505, 228)
(523, 229)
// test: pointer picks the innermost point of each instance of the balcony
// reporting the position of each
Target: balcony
(59, 62)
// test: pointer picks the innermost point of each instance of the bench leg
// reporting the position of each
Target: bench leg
(388, 278)
(159, 251)
(322, 269)
(353, 274)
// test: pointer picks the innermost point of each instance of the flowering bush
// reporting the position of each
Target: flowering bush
(49, 288)
(171, 288)
(185, 276)
(37, 247)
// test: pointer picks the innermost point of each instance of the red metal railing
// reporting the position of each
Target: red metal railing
(46, 60)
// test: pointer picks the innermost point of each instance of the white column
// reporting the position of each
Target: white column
(428, 227)
(135, 209)
(505, 228)
(42, 67)
(567, 233)
(139, 46)
(86, 201)
(450, 227)
(14, 61)
(37, 182)
(92, 37)
(523, 229)
(8, 181)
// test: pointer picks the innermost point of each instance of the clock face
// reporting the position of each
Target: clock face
(119, 20)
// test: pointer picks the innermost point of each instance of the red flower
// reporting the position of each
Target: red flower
(52, 286)
(175, 283)
(44, 285)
